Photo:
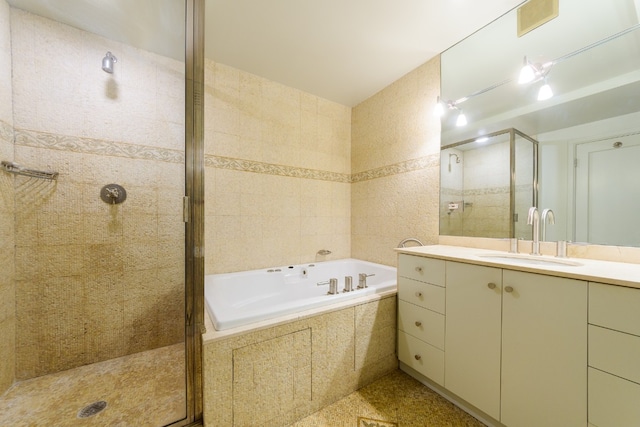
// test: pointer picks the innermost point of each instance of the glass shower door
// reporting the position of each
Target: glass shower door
(96, 254)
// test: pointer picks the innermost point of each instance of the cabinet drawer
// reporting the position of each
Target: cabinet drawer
(422, 269)
(422, 357)
(614, 307)
(613, 401)
(421, 323)
(422, 294)
(614, 352)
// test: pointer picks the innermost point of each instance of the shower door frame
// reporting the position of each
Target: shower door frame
(194, 209)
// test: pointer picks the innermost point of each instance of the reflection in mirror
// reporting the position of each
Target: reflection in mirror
(487, 185)
(595, 103)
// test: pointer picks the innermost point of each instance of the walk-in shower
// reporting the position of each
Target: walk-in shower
(95, 285)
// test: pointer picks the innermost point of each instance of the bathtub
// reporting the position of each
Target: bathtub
(238, 299)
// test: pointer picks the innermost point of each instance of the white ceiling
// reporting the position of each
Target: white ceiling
(344, 51)
(341, 50)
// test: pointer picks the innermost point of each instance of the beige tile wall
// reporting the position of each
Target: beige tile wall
(93, 280)
(277, 173)
(7, 208)
(395, 153)
(276, 376)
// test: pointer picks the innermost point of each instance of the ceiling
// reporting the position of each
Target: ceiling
(344, 51)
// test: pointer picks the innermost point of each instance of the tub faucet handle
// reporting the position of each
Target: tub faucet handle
(362, 280)
(333, 286)
(348, 284)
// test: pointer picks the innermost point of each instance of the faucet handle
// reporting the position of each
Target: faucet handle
(362, 280)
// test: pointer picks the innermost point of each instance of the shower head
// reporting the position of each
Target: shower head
(108, 61)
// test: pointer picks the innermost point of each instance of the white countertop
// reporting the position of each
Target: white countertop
(614, 273)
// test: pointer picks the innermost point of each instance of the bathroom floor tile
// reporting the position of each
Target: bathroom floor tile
(396, 400)
(142, 389)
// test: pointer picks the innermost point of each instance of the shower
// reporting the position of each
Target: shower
(108, 61)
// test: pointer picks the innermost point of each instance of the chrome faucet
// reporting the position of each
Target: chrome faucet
(534, 219)
(362, 280)
(546, 213)
(403, 242)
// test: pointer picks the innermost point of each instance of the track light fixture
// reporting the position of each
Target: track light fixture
(545, 91)
(529, 73)
(461, 120)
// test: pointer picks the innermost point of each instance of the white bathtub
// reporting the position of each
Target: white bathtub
(237, 299)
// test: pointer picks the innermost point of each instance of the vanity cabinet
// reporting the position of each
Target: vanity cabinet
(421, 309)
(515, 343)
(544, 350)
(473, 335)
(614, 355)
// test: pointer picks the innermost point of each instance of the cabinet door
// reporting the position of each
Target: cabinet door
(544, 351)
(472, 338)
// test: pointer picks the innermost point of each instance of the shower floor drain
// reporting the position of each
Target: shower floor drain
(92, 409)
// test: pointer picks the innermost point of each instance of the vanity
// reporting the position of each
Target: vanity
(519, 340)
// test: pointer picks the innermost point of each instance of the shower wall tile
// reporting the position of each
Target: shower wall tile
(277, 176)
(7, 208)
(95, 281)
(6, 107)
(395, 154)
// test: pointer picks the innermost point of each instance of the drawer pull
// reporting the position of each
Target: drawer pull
(491, 285)
(419, 294)
(419, 269)
(417, 357)
(418, 323)
(508, 289)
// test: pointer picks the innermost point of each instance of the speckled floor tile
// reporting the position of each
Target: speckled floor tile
(394, 400)
(142, 389)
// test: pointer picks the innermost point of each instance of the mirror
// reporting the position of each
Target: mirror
(588, 131)
(487, 185)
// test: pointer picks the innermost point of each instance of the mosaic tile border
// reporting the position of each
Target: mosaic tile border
(273, 169)
(370, 422)
(103, 147)
(398, 168)
(295, 172)
(36, 139)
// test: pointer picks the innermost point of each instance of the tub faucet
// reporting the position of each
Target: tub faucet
(546, 213)
(362, 280)
(534, 219)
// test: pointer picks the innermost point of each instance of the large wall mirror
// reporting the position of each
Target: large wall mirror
(588, 129)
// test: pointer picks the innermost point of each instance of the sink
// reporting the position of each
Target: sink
(532, 260)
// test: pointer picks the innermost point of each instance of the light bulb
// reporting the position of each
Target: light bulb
(462, 120)
(527, 73)
(545, 92)
(438, 111)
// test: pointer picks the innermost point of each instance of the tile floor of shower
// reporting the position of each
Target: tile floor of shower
(142, 389)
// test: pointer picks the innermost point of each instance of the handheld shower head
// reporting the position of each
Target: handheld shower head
(108, 61)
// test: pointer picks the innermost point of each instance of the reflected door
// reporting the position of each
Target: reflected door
(607, 191)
